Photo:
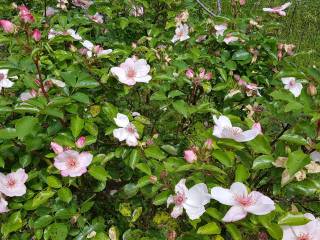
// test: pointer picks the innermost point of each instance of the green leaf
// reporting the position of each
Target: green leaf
(98, 172)
(12, 224)
(65, 194)
(57, 231)
(233, 230)
(294, 139)
(81, 97)
(263, 162)
(8, 133)
(161, 198)
(42, 221)
(134, 158)
(296, 161)
(293, 219)
(225, 157)
(41, 198)
(144, 168)
(154, 152)
(260, 145)
(241, 55)
(77, 125)
(54, 182)
(242, 173)
(181, 107)
(26, 125)
(209, 229)
(215, 213)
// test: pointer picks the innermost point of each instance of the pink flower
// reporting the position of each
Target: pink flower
(292, 85)
(181, 33)
(28, 95)
(224, 129)
(50, 11)
(97, 18)
(192, 200)
(71, 163)
(7, 26)
(190, 156)
(230, 39)
(56, 148)
(205, 75)
(132, 71)
(25, 14)
(189, 73)
(220, 29)
(13, 184)
(278, 10)
(84, 4)
(242, 202)
(3, 204)
(242, 2)
(126, 131)
(36, 35)
(81, 142)
(208, 144)
(309, 231)
(94, 49)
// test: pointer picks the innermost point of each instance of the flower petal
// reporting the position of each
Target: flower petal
(262, 204)
(181, 187)
(223, 195)
(194, 212)
(177, 211)
(121, 134)
(198, 195)
(239, 189)
(234, 214)
(121, 120)
(85, 158)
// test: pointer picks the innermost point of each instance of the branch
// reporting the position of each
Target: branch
(280, 134)
(206, 8)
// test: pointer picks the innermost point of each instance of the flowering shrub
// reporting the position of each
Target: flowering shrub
(152, 120)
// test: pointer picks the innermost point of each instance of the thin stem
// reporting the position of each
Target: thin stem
(206, 8)
(219, 7)
(36, 62)
(280, 134)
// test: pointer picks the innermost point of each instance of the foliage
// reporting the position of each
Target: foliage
(124, 192)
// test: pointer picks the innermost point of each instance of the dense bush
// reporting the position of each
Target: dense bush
(131, 120)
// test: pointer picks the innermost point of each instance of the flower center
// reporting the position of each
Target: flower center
(131, 129)
(72, 162)
(11, 182)
(245, 201)
(232, 131)
(180, 34)
(179, 199)
(1, 76)
(292, 83)
(304, 236)
(131, 73)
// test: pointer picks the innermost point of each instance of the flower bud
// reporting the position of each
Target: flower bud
(153, 179)
(189, 73)
(208, 144)
(190, 156)
(202, 73)
(25, 15)
(37, 81)
(7, 26)
(81, 142)
(36, 35)
(172, 235)
(56, 147)
(242, 2)
(312, 90)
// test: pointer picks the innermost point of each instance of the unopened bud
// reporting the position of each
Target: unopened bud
(172, 235)
(153, 179)
(312, 90)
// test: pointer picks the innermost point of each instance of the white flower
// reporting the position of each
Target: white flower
(53, 33)
(74, 35)
(242, 202)
(132, 71)
(4, 81)
(192, 200)
(13, 184)
(127, 130)
(224, 129)
(220, 29)
(278, 10)
(181, 34)
(28, 95)
(58, 83)
(3, 204)
(230, 39)
(94, 49)
(97, 18)
(137, 11)
(292, 85)
(309, 231)
(315, 156)
(62, 4)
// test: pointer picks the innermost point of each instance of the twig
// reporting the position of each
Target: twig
(36, 62)
(219, 7)
(206, 8)
(280, 134)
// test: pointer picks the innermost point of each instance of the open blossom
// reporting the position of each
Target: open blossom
(292, 85)
(73, 34)
(309, 231)
(3, 204)
(28, 95)
(133, 70)
(94, 49)
(84, 4)
(25, 14)
(97, 18)
(278, 10)
(204, 75)
(181, 33)
(190, 156)
(126, 131)
(137, 11)
(50, 11)
(192, 200)
(220, 29)
(13, 184)
(72, 163)
(7, 26)
(189, 73)
(242, 202)
(4, 81)
(36, 35)
(182, 17)
(230, 39)
(224, 129)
